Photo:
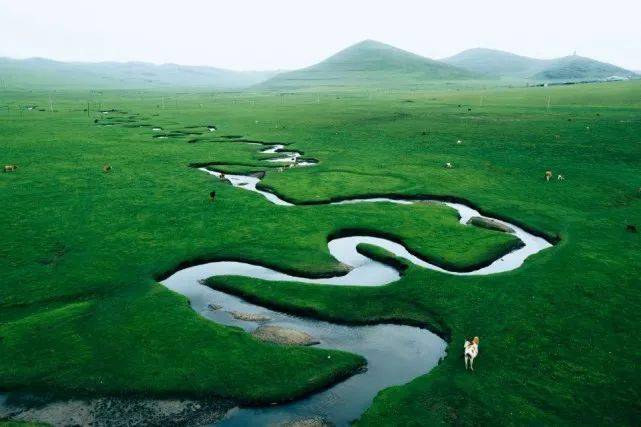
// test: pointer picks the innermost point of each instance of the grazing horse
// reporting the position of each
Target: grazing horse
(448, 165)
(471, 350)
(560, 177)
(548, 175)
(10, 168)
(106, 168)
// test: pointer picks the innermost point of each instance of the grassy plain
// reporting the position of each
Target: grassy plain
(80, 310)
(84, 249)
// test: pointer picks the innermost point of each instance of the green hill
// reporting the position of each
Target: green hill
(495, 62)
(369, 63)
(40, 73)
(575, 67)
(502, 64)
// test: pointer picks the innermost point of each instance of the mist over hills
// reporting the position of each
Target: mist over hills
(500, 64)
(40, 73)
(367, 63)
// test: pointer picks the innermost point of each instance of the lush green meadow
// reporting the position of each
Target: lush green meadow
(81, 312)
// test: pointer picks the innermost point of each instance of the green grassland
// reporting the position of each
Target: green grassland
(80, 309)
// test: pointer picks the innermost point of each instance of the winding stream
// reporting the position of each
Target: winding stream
(395, 353)
(344, 248)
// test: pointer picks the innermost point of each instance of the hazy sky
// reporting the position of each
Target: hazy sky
(275, 34)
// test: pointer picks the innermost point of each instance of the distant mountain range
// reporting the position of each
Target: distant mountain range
(40, 73)
(368, 63)
(496, 63)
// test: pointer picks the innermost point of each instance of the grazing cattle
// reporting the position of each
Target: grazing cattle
(10, 168)
(469, 109)
(448, 165)
(560, 177)
(459, 142)
(106, 168)
(631, 228)
(471, 350)
(281, 169)
(557, 137)
(548, 175)
(212, 196)
(222, 176)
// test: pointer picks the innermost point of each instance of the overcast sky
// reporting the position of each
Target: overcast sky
(275, 34)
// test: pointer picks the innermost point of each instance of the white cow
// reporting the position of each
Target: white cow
(471, 351)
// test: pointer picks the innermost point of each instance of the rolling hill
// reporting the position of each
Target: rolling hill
(40, 73)
(502, 64)
(369, 63)
(575, 67)
(495, 62)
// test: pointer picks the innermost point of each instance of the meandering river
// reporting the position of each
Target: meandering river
(395, 353)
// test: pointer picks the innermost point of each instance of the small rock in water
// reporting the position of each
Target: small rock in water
(490, 224)
(214, 307)
(280, 335)
(259, 174)
(250, 317)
